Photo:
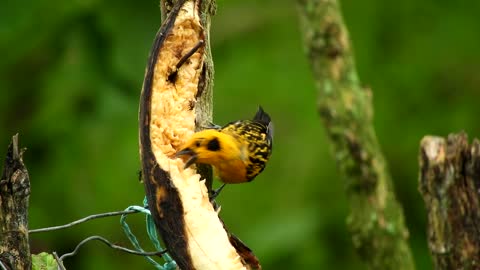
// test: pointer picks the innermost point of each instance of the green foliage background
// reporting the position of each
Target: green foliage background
(70, 78)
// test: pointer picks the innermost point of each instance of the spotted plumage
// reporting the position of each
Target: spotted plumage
(238, 151)
(257, 135)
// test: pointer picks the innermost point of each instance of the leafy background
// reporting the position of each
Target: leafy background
(70, 78)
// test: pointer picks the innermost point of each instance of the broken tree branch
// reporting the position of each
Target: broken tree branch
(14, 195)
(450, 185)
(176, 101)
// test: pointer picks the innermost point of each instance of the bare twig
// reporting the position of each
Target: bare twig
(189, 54)
(59, 261)
(172, 77)
(85, 219)
(105, 241)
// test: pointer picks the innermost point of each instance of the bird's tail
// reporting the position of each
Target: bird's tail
(262, 117)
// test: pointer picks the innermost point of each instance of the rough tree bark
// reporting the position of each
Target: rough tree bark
(450, 185)
(376, 219)
(14, 195)
(176, 100)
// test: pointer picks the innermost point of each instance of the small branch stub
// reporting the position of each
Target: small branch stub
(450, 185)
(14, 195)
(176, 95)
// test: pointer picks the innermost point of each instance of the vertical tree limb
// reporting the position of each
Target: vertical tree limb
(175, 102)
(450, 185)
(204, 96)
(204, 104)
(376, 219)
(14, 195)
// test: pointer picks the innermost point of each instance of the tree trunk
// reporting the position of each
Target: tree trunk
(14, 195)
(450, 186)
(376, 219)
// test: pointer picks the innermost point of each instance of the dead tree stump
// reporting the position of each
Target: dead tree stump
(14, 195)
(450, 186)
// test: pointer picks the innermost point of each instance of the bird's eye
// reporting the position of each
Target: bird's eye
(213, 145)
(197, 144)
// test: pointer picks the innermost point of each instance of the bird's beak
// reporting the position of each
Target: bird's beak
(190, 153)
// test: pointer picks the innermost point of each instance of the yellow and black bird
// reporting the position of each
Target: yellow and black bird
(238, 151)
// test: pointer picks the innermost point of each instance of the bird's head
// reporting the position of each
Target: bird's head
(203, 147)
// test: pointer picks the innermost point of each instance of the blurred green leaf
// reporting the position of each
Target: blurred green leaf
(44, 261)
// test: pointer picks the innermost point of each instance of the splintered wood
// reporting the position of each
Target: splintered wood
(167, 119)
(172, 119)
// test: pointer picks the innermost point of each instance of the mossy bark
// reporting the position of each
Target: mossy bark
(376, 219)
(450, 185)
(14, 195)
